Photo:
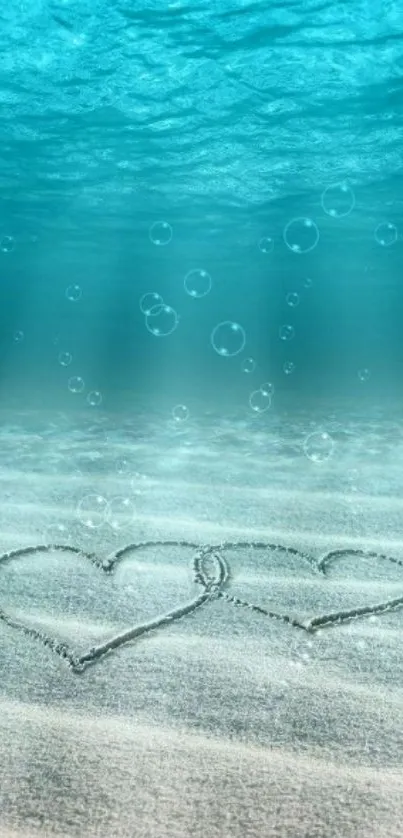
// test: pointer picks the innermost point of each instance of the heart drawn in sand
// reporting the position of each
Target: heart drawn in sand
(21, 578)
(211, 571)
(341, 600)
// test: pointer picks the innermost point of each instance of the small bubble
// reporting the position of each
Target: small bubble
(228, 339)
(92, 511)
(364, 374)
(94, 398)
(120, 513)
(122, 466)
(301, 235)
(76, 384)
(7, 244)
(149, 301)
(260, 401)
(65, 358)
(73, 293)
(292, 299)
(162, 320)
(266, 244)
(180, 413)
(197, 283)
(386, 234)
(160, 233)
(338, 200)
(248, 365)
(267, 388)
(318, 446)
(287, 332)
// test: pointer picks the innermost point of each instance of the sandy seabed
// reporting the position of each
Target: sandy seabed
(230, 719)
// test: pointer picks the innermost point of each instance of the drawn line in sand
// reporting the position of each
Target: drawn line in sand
(213, 582)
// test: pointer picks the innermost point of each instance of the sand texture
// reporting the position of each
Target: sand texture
(238, 669)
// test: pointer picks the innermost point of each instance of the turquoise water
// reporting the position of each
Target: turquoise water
(242, 161)
(201, 365)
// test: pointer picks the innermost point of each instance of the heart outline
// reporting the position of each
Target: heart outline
(315, 623)
(213, 588)
(78, 663)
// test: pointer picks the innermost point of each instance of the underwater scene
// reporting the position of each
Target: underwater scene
(201, 435)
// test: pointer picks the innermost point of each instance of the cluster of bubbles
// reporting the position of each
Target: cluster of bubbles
(197, 282)
(94, 511)
(160, 319)
(301, 234)
(228, 338)
(76, 384)
(287, 331)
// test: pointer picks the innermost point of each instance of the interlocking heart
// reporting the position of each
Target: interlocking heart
(211, 572)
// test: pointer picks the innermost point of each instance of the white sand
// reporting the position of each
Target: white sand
(227, 722)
